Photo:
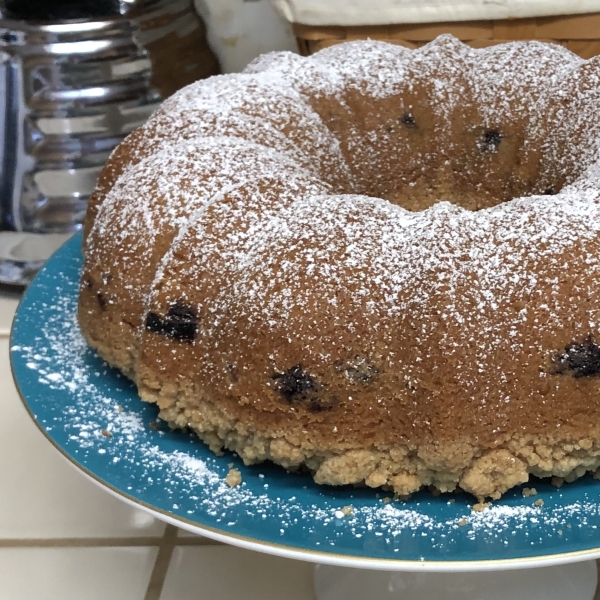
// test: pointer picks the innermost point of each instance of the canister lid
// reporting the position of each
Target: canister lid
(44, 11)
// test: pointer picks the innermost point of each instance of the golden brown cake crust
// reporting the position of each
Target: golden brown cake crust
(258, 299)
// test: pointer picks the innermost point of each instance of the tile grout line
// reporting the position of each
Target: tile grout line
(79, 542)
(161, 564)
(101, 542)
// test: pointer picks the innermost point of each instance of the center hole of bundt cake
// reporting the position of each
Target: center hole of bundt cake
(416, 165)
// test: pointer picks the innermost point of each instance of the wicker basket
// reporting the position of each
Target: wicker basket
(579, 33)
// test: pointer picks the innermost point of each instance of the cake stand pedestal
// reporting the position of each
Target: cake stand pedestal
(574, 581)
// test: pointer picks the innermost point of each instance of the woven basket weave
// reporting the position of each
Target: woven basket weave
(578, 33)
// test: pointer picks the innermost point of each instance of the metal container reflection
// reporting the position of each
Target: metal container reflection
(71, 91)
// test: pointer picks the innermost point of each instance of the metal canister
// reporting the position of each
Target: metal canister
(72, 89)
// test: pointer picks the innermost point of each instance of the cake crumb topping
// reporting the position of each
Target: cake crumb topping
(234, 478)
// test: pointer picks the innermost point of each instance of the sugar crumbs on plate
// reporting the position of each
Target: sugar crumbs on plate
(234, 478)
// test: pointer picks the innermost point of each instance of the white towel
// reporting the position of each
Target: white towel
(383, 12)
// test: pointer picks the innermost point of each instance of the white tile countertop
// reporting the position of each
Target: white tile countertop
(63, 537)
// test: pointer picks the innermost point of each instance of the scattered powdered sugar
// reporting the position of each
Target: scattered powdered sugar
(498, 521)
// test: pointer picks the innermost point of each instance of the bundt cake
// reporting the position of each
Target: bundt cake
(376, 263)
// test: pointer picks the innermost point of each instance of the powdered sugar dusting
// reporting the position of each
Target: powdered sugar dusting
(452, 275)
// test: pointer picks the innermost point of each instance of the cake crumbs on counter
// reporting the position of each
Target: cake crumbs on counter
(527, 492)
(481, 506)
(539, 502)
